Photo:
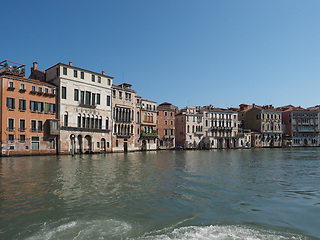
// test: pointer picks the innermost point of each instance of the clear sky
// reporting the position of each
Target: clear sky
(187, 52)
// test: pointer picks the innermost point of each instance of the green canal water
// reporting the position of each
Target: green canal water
(217, 194)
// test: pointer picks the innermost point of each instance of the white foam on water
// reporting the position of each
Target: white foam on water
(78, 230)
(223, 233)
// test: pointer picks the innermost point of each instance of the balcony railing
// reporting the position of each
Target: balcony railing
(12, 68)
(154, 134)
(85, 105)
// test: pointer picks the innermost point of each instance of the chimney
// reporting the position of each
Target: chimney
(103, 73)
(70, 64)
(35, 65)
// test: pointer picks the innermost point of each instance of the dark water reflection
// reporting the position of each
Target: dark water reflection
(155, 194)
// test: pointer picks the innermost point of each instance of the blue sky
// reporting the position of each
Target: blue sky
(187, 52)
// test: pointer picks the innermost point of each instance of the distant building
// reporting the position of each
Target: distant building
(28, 113)
(84, 108)
(301, 125)
(166, 125)
(265, 120)
(220, 127)
(189, 128)
(148, 126)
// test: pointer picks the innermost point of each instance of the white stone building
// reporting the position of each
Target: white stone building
(84, 108)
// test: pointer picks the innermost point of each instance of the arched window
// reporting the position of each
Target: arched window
(65, 119)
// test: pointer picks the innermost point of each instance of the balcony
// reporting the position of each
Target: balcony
(154, 134)
(10, 129)
(85, 105)
(124, 135)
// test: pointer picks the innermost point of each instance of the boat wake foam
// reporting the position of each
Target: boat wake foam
(223, 232)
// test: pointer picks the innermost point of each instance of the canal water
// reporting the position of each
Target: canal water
(216, 194)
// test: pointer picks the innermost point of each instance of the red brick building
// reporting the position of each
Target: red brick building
(166, 125)
(28, 113)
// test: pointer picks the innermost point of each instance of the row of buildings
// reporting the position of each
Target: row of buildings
(68, 110)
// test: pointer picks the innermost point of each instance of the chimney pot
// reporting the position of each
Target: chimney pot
(35, 65)
(103, 73)
(70, 64)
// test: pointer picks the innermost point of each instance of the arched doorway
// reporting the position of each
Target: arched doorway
(72, 139)
(80, 147)
(87, 146)
(103, 144)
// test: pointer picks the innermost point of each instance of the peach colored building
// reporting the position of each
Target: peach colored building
(125, 119)
(28, 113)
(166, 125)
(148, 127)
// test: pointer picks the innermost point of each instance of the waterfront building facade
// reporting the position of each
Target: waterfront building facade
(28, 113)
(84, 108)
(266, 120)
(301, 126)
(220, 128)
(189, 128)
(124, 115)
(148, 125)
(166, 125)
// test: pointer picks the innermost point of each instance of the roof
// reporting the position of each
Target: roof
(29, 80)
(81, 69)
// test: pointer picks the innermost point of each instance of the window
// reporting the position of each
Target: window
(22, 138)
(33, 88)
(99, 79)
(10, 103)
(79, 121)
(171, 122)
(22, 125)
(98, 144)
(98, 98)
(52, 91)
(117, 143)
(65, 120)
(35, 142)
(11, 137)
(46, 90)
(108, 100)
(33, 126)
(22, 105)
(75, 73)
(33, 106)
(64, 93)
(171, 132)
(82, 75)
(40, 89)
(108, 144)
(39, 126)
(107, 123)
(52, 144)
(76, 95)
(64, 71)
(109, 82)
(171, 114)
(22, 86)
(166, 132)
(82, 97)
(114, 93)
(93, 99)
(120, 95)
(10, 124)
(11, 85)
(165, 122)
(88, 98)
(52, 108)
(165, 114)
(93, 78)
